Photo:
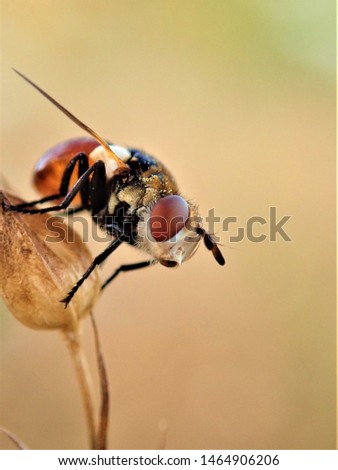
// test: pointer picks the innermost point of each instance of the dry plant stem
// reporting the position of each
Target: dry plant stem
(74, 343)
(20, 445)
(104, 408)
(163, 428)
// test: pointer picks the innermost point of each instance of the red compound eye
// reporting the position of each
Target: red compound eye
(168, 217)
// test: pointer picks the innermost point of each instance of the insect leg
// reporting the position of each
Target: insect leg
(98, 168)
(37, 201)
(83, 166)
(97, 191)
(98, 260)
(82, 158)
(124, 268)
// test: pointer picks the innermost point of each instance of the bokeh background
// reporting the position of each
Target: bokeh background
(238, 99)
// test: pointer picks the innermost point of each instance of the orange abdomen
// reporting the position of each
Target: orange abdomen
(49, 169)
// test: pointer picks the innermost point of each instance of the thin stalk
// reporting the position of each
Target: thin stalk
(74, 343)
(104, 408)
(19, 444)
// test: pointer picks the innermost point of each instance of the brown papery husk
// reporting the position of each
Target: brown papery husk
(36, 274)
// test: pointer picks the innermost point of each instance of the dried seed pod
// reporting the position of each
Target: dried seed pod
(36, 274)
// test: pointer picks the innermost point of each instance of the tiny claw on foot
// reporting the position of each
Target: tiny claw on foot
(5, 206)
(67, 299)
(9, 208)
(23, 210)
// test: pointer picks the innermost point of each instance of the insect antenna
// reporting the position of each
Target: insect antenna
(211, 245)
(121, 166)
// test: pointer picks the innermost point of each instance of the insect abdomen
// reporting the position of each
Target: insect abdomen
(51, 166)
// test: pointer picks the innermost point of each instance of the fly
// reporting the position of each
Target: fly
(129, 194)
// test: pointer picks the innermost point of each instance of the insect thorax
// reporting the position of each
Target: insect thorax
(131, 196)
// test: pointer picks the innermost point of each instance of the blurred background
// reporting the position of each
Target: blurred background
(238, 100)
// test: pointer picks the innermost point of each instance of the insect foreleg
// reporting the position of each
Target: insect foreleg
(98, 260)
(124, 268)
